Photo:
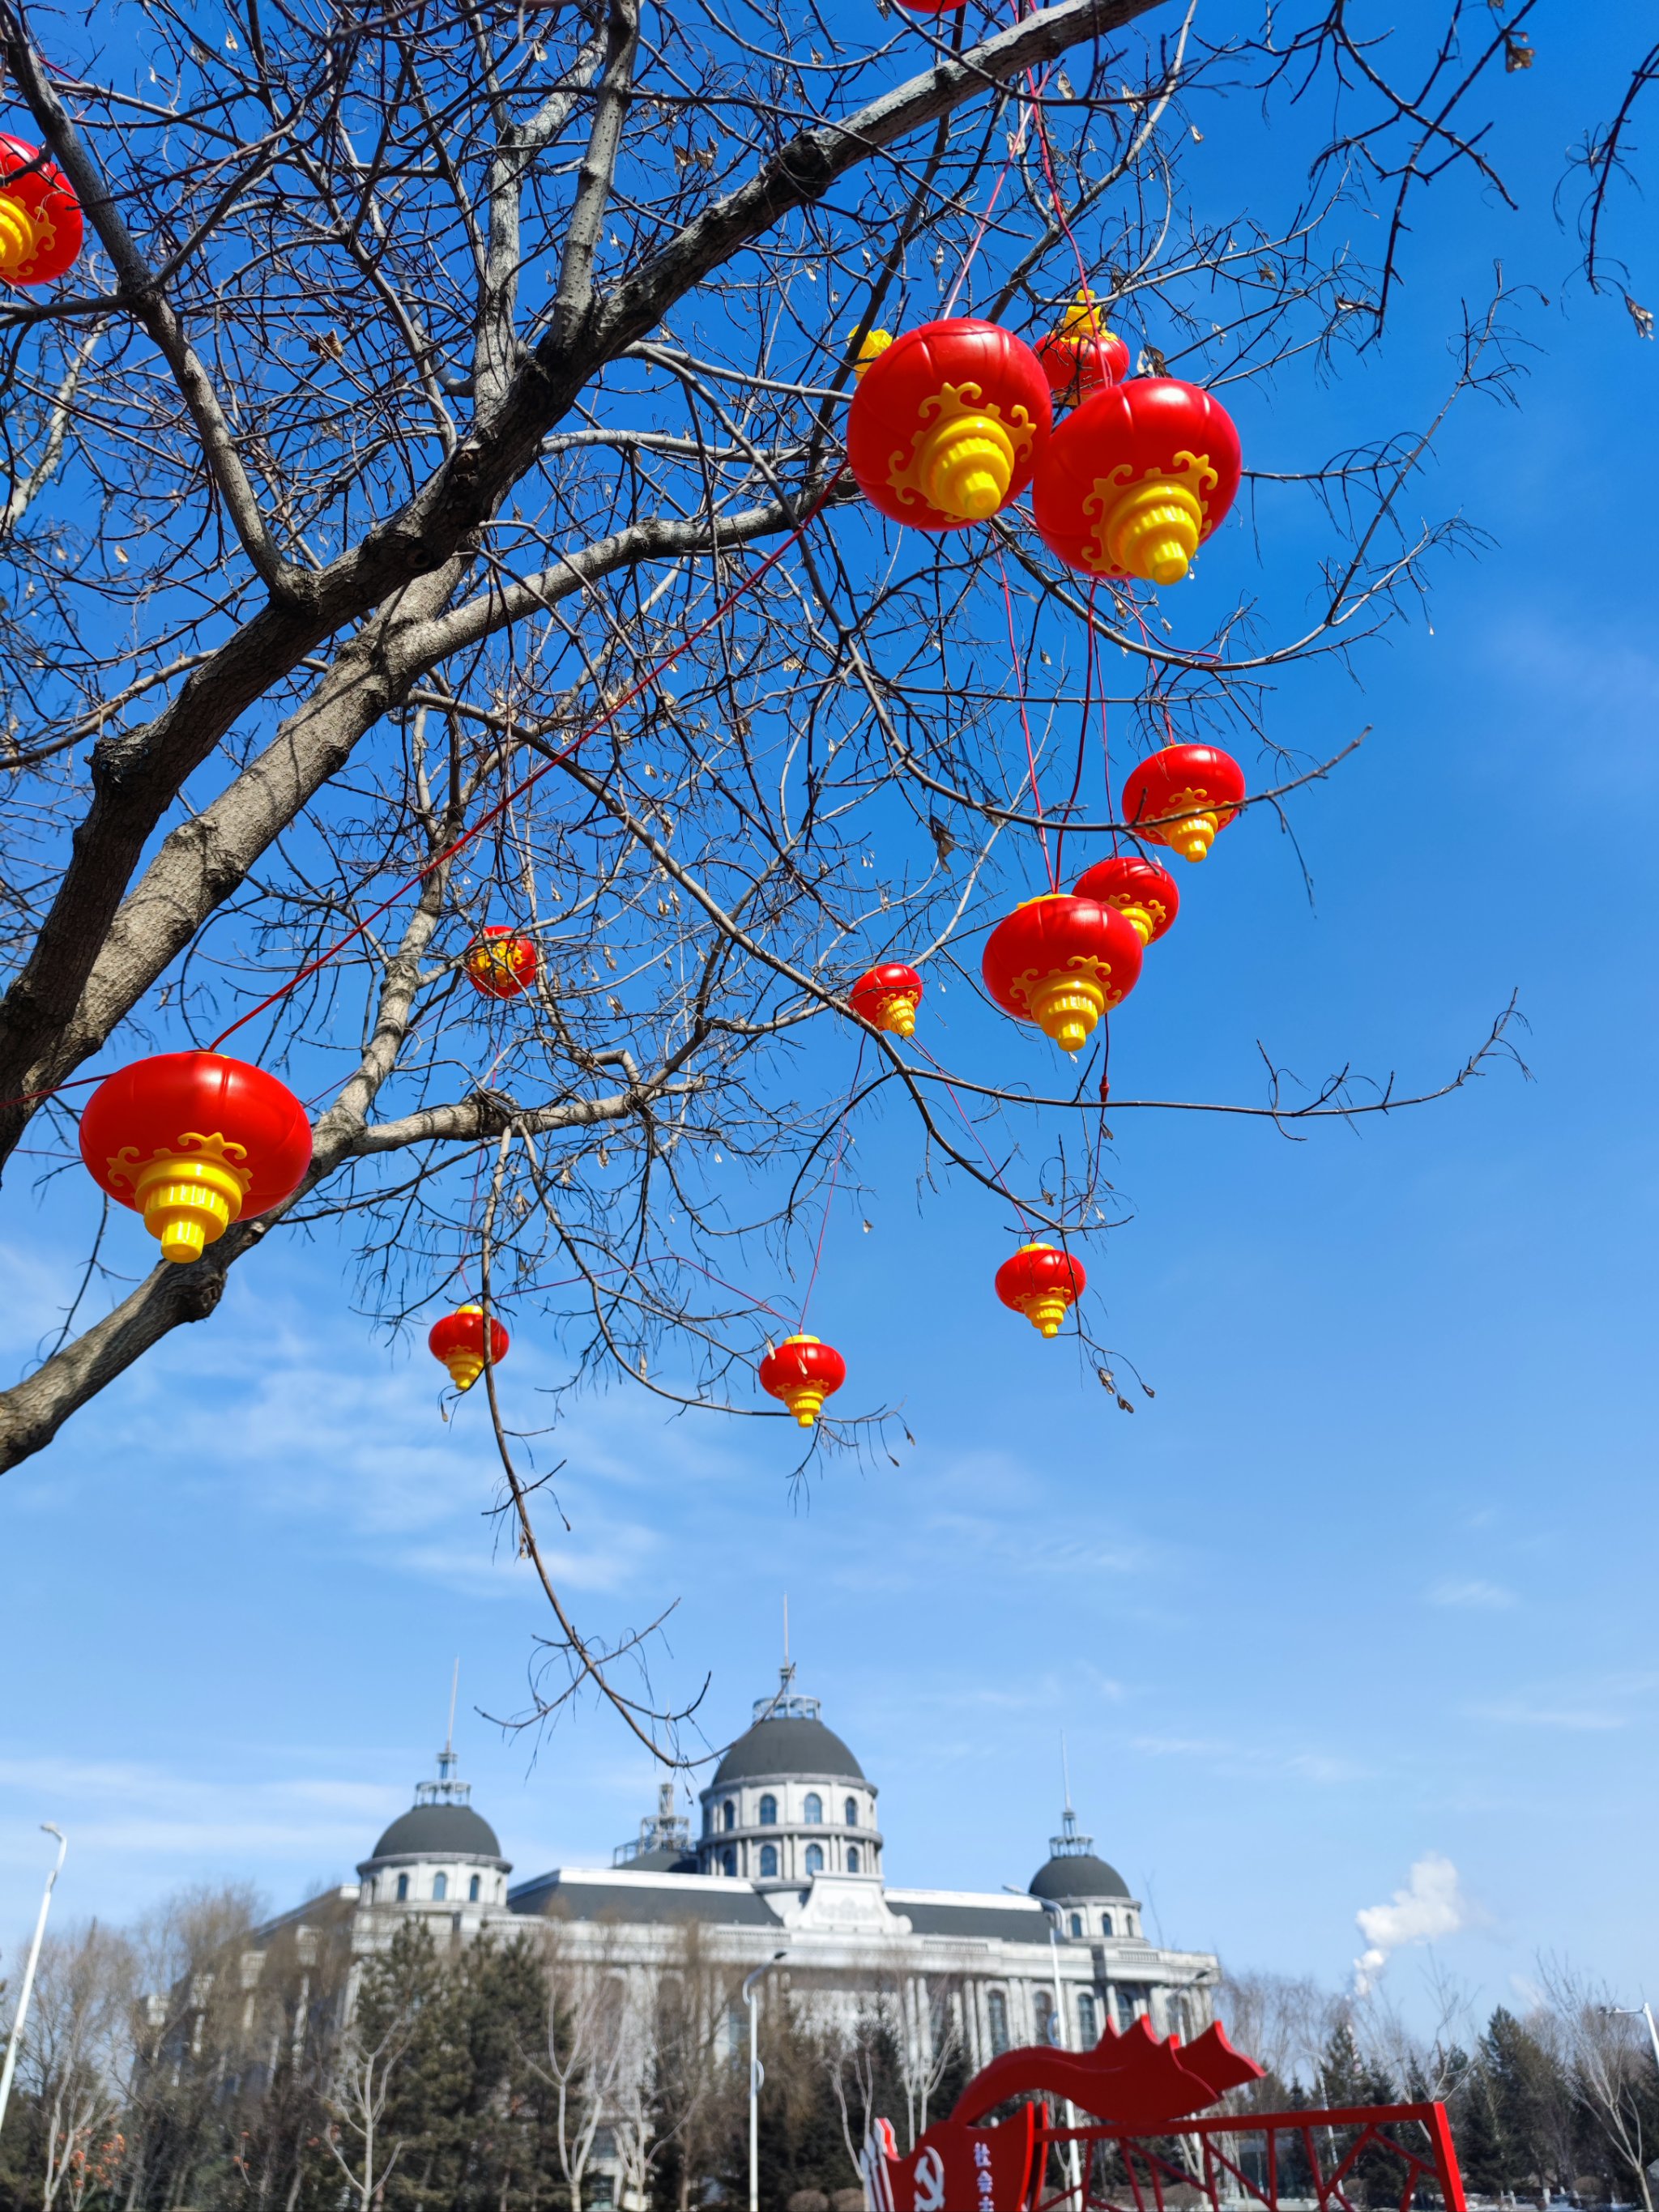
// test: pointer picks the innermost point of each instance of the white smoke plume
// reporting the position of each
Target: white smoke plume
(1430, 1906)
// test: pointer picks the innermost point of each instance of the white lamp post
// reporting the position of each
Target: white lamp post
(24, 1994)
(757, 2075)
(1057, 2025)
(1643, 2011)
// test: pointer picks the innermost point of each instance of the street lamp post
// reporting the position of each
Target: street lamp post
(1057, 2026)
(47, 1828)
(757, 2075)
(1643, 2011)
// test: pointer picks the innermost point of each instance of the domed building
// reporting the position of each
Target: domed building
(439, 1854)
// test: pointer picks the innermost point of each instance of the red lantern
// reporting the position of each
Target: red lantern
(1134, 482)
(1143, 893)
(1042, 1284)
(1082, 355)
(803, 1372)
(194, 1141)
(1062, 962)
(458, 1340)
(947, 422)
(41, 228)
(1183, 797)
(887, 998)
(500, 964)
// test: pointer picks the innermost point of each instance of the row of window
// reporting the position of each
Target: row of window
(440, 1888)
(1077, 1925)
(1048, 2026)
(811, 1814)
(769, 1861)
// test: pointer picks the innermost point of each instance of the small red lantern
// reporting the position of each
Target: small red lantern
(803, 1372)
(1062, 962)
(1134, 482)
(41, 229)
(1042, 1284)
(1082, 355)
(947, 423)
(458, 1340)
(1183, 797)
(1143, 893)
(501, 964)
(887, 998)
(194, 1141)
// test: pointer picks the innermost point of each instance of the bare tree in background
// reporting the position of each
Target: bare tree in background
(77, 2059)
(1610, 2061)
(453, 397)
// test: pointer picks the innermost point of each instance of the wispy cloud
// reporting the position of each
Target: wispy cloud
(1515, 1713)
(1473, 1596)
(1430, 1905)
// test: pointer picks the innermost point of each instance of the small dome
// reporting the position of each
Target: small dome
(437, 1831)
(784, 1744)
(1079, 1875)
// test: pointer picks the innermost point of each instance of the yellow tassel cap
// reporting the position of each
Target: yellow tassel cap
(965, 464)
(875, 344)
(898, 1014)
(1083, 319)
(1152, 529)
(1046, 1311)
(805, 1401)
(17, 235)
(1066, 1008)
(465, 1367)
(189, 1201)
(1139, 920)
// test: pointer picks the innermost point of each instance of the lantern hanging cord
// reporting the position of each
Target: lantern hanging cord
(922, 1053)
(1082, 738)
(602, 720)
(1016, 145)
(834, 1172)
(1025, 723)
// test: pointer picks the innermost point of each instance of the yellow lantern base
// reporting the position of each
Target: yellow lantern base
(897, 1014)
(465, 1367)
(1066, 1007)
(875, 344)
(963, 460)
(18, 234)
(1046, 1311)
(1152, 529)
(189, 1199)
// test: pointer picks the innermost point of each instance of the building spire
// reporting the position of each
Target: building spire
(446, 1790)
(1069, 1843)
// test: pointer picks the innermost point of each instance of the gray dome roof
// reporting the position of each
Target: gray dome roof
(787, 1745)
(439, 1832)
(1079, 1874)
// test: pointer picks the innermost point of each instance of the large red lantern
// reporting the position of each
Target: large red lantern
(887, 998)
(1062, 962)
(1042, 1284)
(458, 1340)
(947, 423)
(803, 1372)
(1134, 482)
(194, 1141)
(1143, 893)
(1081, 355)
(40, 228)
(1183, 797)
(501, 964)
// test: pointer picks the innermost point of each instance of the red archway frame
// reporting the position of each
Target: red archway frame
(1227, 2161)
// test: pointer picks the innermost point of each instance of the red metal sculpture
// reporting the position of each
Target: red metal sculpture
(887, 998)
(1143, 2091)
(1183, 797)
(1042, 1283)
(1062, 962)
(1134, 482)
(194, 1141)
(458, 1340)
(1081, 355)
(500, 964)
(803, 1372)
(946, 422)
(1143, 893)
(40, 228)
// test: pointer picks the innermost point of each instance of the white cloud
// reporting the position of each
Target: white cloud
(1473, 1596)
(1430, 1906)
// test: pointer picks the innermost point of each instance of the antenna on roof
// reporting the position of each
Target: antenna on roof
(786, 1672)
(446, 1756)
(1066, 1777)
(1070, 1843)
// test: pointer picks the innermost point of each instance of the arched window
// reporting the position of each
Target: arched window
(814, 1813)
(729, 1862)
(852, 1858)
(402, 1889)
(768, 1859)
(996, 2018)
(729, 1814)
(1076, 1923)
(849, 1811)
(1088, 2020)
(815, 1858)
(440, 1887)
(768, 1811)
(473, 1890)
(1105, 1924)
(1043, 2006)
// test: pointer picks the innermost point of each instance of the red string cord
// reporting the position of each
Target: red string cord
(1024, 722)
(834, 1172)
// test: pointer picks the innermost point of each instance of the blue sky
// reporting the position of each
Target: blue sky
(1369, 1579)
